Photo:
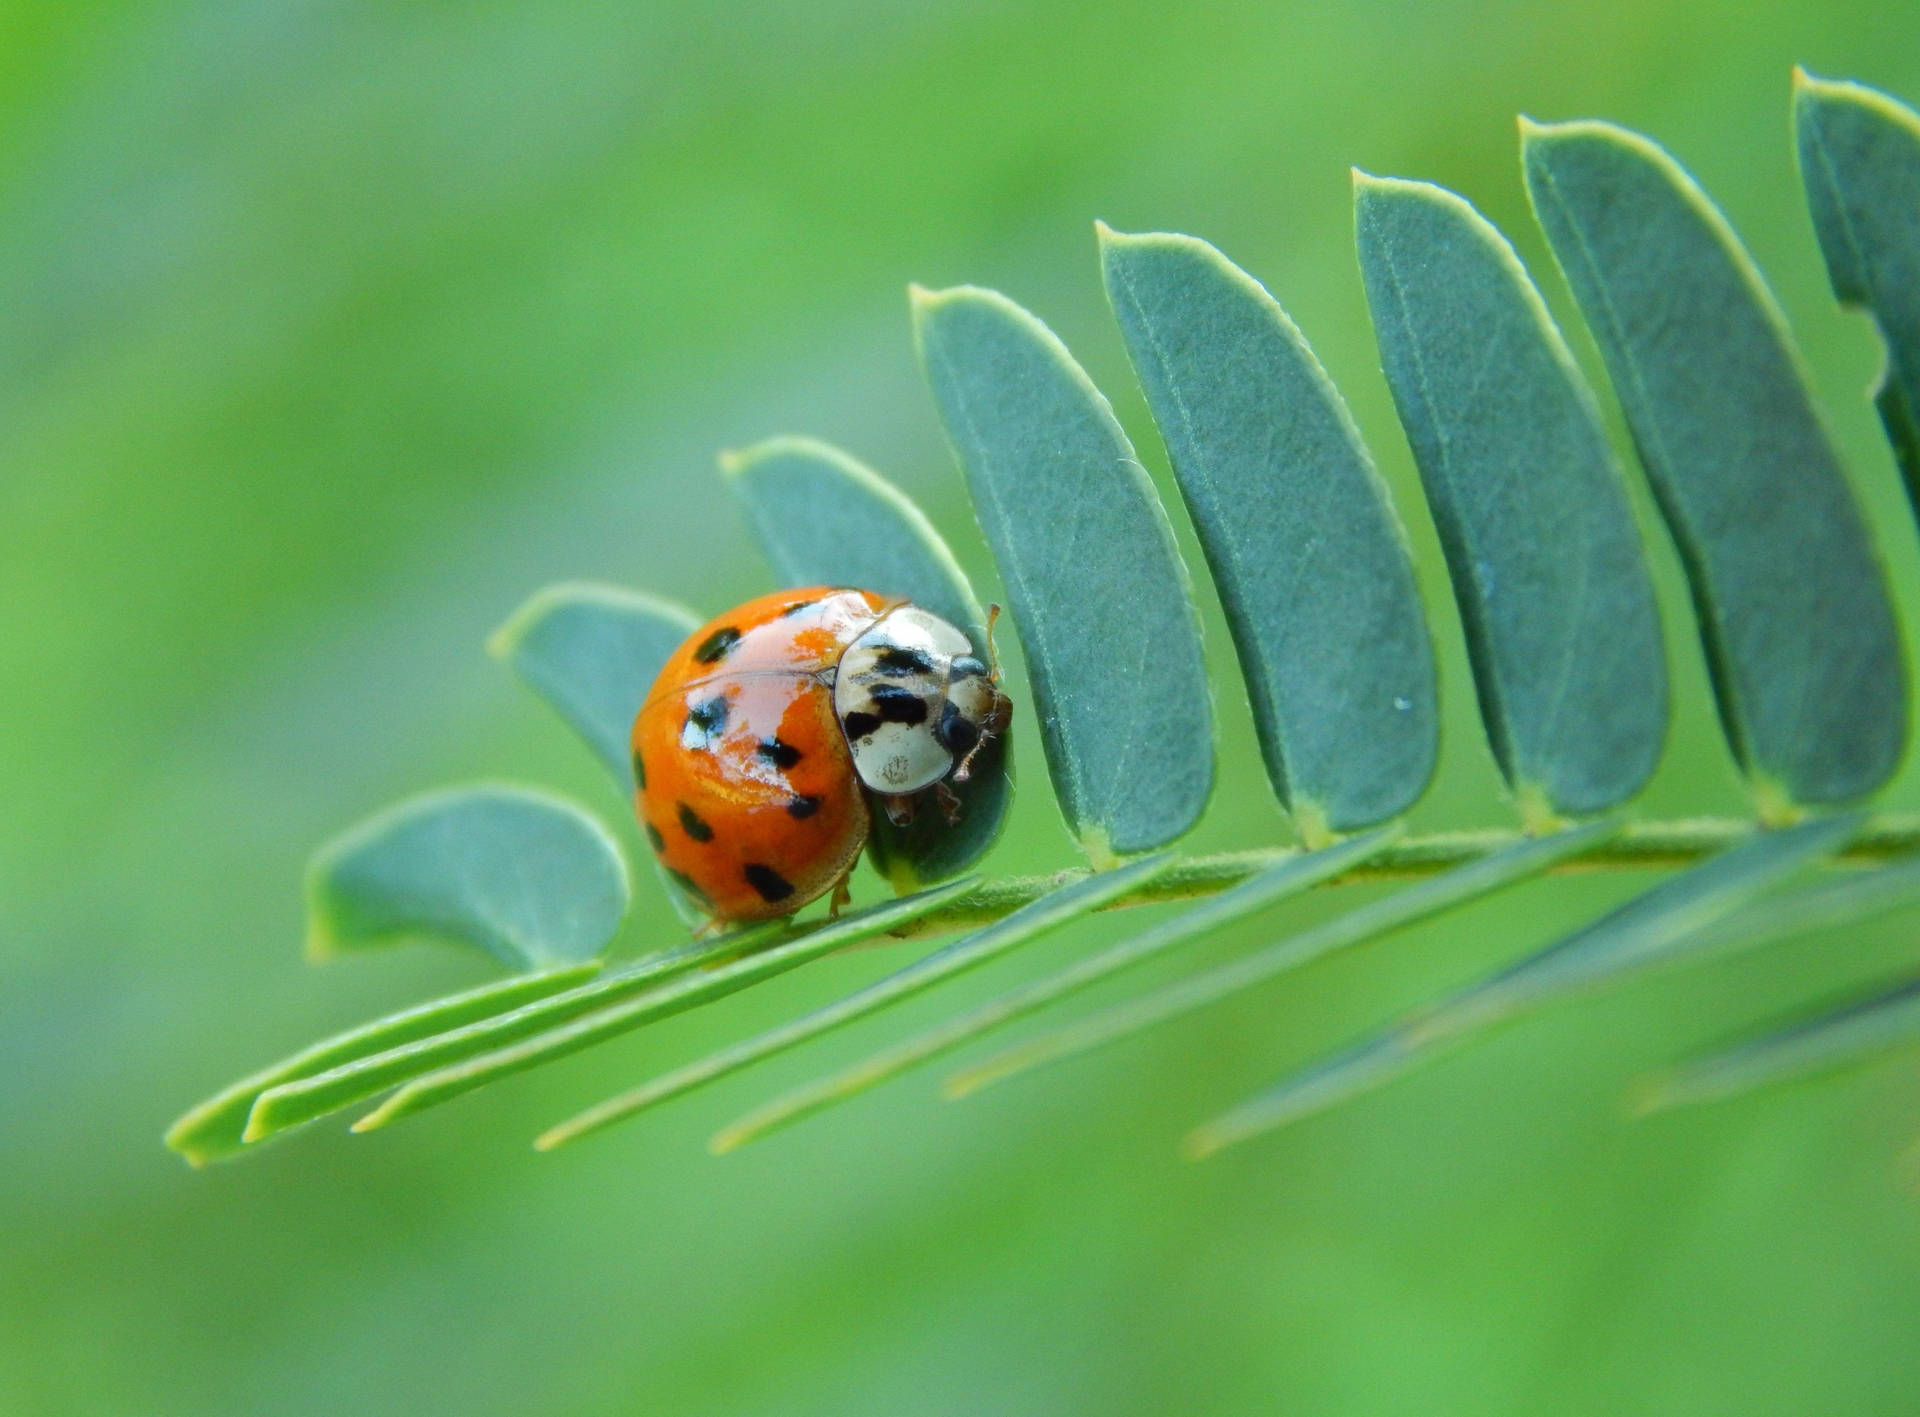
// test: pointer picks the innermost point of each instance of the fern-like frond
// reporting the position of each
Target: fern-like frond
(1550, 577)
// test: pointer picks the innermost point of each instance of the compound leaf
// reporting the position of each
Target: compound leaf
(971, 951)
(473, 1067)
(1290, 877)
(1297, 527)
(214, 1130)
(1860, 161)
(1856, 1033)
(1848, 898)
(1463, 884)
(1547, 565)
(1654, 926)
(824, 518)
(1094, 580)
(527, 876)
(1799, 632)
(592, 651)
(315, 1093)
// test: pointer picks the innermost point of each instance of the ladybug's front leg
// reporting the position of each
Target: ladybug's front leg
(950, 803)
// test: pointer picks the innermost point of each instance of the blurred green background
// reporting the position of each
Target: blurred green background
(329, 331)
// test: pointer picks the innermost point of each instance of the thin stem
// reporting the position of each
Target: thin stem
(1637, 846)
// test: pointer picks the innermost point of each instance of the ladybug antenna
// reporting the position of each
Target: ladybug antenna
(993, 655)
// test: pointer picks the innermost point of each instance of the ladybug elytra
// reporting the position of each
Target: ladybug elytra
(771, 734)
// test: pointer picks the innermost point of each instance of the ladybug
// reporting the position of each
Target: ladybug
(771, 735)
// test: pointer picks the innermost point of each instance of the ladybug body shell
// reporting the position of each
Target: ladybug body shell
(745, 782)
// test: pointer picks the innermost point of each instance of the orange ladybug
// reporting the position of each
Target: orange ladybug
(766, 735)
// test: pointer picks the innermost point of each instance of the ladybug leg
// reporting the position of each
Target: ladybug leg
(950, 804)
(900, 808)
(842, 896)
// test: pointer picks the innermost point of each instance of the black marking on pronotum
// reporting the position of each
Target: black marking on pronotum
(639, 770)
(899, 659)
(691, 824)
(654, 839)
(803, 807)
(965, 666)
(797, 607)
(897, 705)
(858, 725)
(694, 893)
(773, 886)
(955, 732)
(715, 646)
(707, 719)
(781, 755)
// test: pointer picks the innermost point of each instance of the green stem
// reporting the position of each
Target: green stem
(1637, 846)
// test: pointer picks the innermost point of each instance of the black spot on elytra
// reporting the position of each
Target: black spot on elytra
(955, 732)
(803, 807)
(654, 839)
(797, 607)
(781, 755)
(691, 824)
(897, 659)
(694, 893)
(639, 771)
(897, 705)
(773, 886)
(965, 666)
(859, 725)
(716, 645)
(709, 716)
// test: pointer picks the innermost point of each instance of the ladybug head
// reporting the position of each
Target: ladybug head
(975, 713)
(916, 702)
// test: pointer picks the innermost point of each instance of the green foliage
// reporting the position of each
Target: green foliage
(1793, 608)
(824, 519)
(1855, 1033)
(446, 1064)
(529, 878)
(592, 651)
(1303, 544)
(1547, 566)
(1022, 927)
(1860, 161)
(1289, 878)
(1448, 891)
(379, 1060)
(1651, 927)
(430, 1088)
(1098, 590)
(1848, 898)
(216, 1128)
(1306, 551)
